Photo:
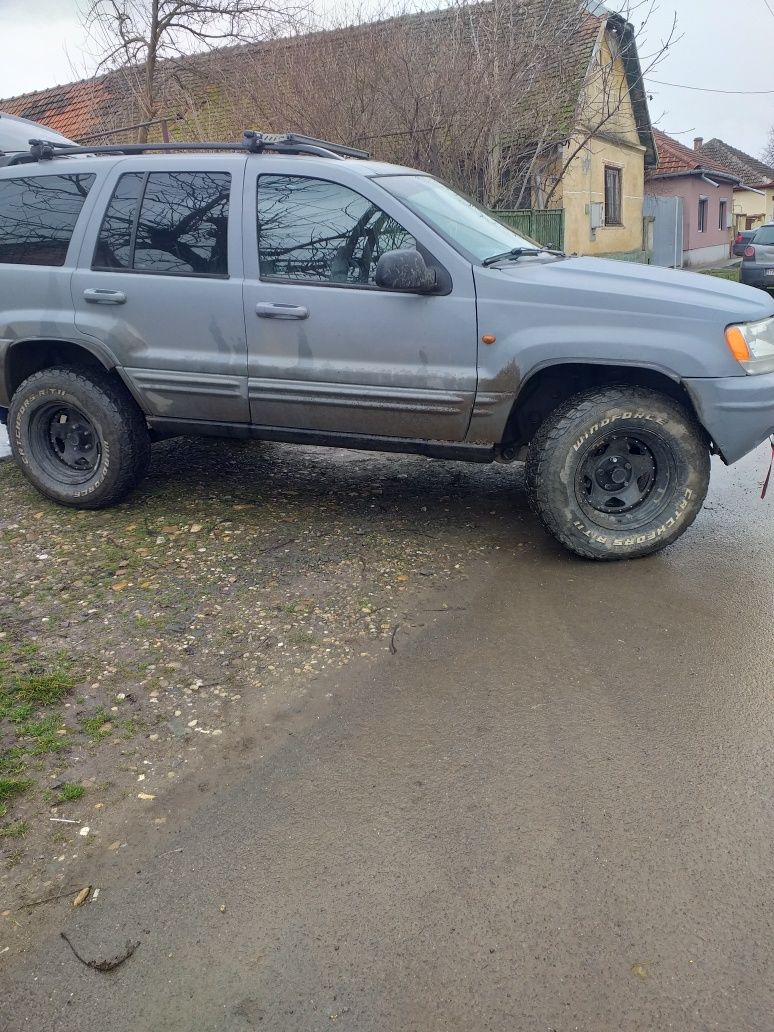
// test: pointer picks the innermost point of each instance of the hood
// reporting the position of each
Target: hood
(16, 133)
(594, 310)
(645, 289)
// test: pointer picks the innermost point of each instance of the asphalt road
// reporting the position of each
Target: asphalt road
(550, 810)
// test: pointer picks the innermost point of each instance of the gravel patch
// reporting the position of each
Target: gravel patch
(138, 643)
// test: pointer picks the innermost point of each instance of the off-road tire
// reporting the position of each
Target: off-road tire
(120, 443)
(580, 435)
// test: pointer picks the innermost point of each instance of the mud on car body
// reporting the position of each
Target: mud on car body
(284, 288)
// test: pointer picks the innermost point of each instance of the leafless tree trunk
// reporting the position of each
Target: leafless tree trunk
(768, 154)
(137, 35)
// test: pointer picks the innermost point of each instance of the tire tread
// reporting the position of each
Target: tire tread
(556, 426)
(123, 410)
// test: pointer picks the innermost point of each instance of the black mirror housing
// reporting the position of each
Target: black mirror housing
(405, 270)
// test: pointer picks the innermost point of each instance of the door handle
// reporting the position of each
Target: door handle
(266, 310)
(97, 296)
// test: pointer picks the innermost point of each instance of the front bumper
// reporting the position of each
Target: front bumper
(736, 411)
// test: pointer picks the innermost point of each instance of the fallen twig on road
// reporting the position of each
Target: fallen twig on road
(103, 965)
(47, 899)
(393, 647)
(273, 548)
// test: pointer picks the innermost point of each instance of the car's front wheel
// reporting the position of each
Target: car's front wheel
(618, 472)
(78, 437)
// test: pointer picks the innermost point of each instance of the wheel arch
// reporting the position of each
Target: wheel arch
(22, 358)
(544, 389)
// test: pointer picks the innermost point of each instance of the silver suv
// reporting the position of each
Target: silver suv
(291, 290)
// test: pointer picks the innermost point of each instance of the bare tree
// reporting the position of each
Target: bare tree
(497, 98)
(768, 154)
(454, 91)
(136, 36)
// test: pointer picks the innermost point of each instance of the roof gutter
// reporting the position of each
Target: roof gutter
(729, 180)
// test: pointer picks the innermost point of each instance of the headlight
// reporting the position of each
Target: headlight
(752, 344)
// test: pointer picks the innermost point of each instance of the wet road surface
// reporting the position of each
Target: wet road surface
(551, 809)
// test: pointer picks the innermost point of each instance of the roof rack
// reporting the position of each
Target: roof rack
(252, 142)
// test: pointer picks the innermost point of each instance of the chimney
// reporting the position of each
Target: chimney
(698, 142)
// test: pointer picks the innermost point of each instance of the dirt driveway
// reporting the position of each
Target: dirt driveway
(140, 644)
(519, 792)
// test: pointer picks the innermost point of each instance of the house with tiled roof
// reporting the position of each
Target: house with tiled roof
(754, 196)
(705, 191)
(572, 129)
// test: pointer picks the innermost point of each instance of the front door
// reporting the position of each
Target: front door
(327, 349)
(160, 284)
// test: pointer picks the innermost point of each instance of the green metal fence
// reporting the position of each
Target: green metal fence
(547, 227)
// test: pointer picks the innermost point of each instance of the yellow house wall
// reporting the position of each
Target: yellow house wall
(605, 101)
(604, 105)
(584, 184)
(758, 205)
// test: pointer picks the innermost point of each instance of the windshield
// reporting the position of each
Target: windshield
(460, 221)
(764, 236)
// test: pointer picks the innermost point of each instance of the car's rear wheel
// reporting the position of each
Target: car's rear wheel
(618, 472)
(78, 436)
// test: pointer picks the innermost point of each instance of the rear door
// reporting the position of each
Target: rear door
(327, 349)
(159, 282)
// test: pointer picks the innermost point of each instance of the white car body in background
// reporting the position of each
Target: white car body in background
(15, 135)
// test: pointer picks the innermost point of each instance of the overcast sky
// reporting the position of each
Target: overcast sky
(43, 44)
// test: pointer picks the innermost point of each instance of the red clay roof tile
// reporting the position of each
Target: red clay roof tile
(674, 157)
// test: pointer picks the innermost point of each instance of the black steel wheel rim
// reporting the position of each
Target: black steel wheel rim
(624, 479)
(65, 443)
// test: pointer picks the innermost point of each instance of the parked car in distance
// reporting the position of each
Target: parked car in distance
(288, 289)
(741, 240)
(16, 133)
(757, 269)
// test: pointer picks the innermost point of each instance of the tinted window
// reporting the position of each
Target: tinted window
(115, 236)
(309, 229)
(764, 236)
(37, 217)
(167, 222)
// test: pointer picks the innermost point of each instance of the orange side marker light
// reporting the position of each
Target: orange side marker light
(737, 345)
(488, 338)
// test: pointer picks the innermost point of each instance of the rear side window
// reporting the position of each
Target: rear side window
(37, 217)
(114, 247)
(170, 223)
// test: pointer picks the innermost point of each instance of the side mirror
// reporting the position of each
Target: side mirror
(404, 270)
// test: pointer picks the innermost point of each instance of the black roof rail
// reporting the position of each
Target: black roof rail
(253, 142)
